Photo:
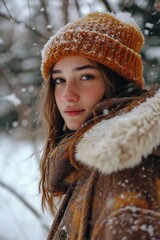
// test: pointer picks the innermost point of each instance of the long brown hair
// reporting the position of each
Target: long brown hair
(53, 123)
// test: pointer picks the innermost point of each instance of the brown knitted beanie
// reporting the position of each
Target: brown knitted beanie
(113, 40)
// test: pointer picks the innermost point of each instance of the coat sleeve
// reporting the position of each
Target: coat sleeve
(129, 223)
(135, 213)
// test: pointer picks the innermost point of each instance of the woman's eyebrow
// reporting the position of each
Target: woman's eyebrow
(56, 71)
(84, 67)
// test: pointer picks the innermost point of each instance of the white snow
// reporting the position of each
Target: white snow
(42, 9)
(49, 26)
(126, 18)
(153, 53)
(13, 99)
(19, 169)
(148, 229)
(149, 25)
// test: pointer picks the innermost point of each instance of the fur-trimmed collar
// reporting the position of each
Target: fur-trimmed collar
(122, 141)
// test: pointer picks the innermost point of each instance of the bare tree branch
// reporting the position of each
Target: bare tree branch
(46, 15)
(125, 3)
(105, 2)
(10, 16)
(7, 72)
(29, 8)
(44, 35)
(65, 11)
(78, 8)
(22, 200)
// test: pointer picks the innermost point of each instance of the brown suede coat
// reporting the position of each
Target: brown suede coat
(109, 197)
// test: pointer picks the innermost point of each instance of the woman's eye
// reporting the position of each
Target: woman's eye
(58, 80)
(87, 77)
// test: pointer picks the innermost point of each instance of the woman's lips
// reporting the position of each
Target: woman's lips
(73, 112)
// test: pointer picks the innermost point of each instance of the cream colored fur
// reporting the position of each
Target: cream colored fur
(122, 141)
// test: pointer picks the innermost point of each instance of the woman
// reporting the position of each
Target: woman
(103, 132)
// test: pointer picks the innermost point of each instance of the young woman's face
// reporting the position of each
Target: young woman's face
(79, 86)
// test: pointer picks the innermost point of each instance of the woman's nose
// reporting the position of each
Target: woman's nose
(70, 93)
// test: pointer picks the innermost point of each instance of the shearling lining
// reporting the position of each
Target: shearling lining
(122, 141)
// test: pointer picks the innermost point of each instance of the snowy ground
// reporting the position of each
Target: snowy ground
(20, 171)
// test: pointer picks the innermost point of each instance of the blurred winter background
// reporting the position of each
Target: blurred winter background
(25, 25)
